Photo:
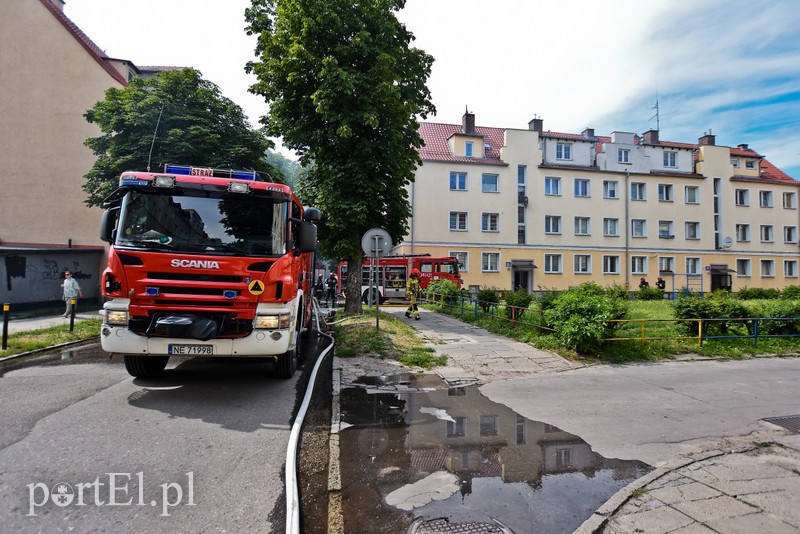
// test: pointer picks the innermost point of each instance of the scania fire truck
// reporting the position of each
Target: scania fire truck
(205, 262)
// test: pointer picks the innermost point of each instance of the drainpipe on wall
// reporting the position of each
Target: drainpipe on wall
(412, 217)
(627, 231)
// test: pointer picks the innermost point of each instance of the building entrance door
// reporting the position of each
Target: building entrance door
(523, 279)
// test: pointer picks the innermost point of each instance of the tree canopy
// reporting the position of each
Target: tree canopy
(345, 89)
(193, 123)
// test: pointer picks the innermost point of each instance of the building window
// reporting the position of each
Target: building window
(582, 226)
(468, 148)
(790, 234)
(735, 163)
(489, 425)
(749, 164)
(670, 159)
(790, 268)
(665, 193)
(552, 224)
(767, 233)
(552, 263)
(610, 189)
(582, 264)
(611, 227)
(490, 262)
(489, 183)
(666, 264)
(462, 258)
(765, 199)
(639, 264)
(692, 194)
(742, 197)
(563, 151)
(563, 458)
(552, 185)
(790, 200)
(767, 268)
(693, 266)
(638, 227)
(489, 222)
(458, 181)
(692, 230)
(457, 428)
(581, 187)
(666, 229)
(742, 267)
(638, 191)
(520, 234)
(743, 232)
(623, 155)
(521, 434)
(610, 264)
(458, 221)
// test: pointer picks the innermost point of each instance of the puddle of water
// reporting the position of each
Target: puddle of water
(427, 452)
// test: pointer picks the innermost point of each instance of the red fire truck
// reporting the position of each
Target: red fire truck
(393, 271)
(205, 262)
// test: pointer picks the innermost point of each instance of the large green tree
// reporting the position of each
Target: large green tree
(345, 89)
(193, 124)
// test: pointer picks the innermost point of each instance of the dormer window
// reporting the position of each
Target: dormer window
(670, 159)
(469, 148)
(735, 163)
(564, 151)
(623, 155)
(749, 164)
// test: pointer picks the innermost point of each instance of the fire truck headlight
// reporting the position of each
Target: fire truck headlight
(117, 317)
(273, 322)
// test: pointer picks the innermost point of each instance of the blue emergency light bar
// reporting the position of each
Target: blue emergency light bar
(208, 172)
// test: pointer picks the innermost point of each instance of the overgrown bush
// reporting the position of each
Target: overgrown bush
(782, 310)
(617, 291)
(650, 293)
(717, 305)
(581, 317)
(546, 299)
(791, 292)
(488, 296)
(443, 292)
(694, 306)
(516, 303)
(754, 293)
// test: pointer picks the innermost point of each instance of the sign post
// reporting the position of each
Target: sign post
(375, 243)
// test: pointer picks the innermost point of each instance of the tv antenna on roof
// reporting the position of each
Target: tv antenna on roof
(656, 116)
(153, 142)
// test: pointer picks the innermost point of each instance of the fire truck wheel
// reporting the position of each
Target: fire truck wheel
(286, 364)
(145, 366)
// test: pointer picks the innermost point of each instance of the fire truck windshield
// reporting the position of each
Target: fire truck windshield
(229, 224)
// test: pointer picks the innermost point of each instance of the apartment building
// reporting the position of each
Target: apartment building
(541, 209)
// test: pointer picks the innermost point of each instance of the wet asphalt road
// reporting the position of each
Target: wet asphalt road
(85, 447)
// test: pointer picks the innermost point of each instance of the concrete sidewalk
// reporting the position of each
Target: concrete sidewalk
(740, 487)
(35, 323)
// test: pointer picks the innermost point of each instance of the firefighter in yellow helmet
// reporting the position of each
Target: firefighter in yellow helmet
(413, 290)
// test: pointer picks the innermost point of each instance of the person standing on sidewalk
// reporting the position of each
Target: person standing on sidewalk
(413, 290)
(72, 290)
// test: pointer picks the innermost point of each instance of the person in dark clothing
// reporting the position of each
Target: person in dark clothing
(643, 283)
(661, 284)
(319, 288)
(330, 296)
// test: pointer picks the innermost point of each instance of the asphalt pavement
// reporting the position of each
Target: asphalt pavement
(741, 486)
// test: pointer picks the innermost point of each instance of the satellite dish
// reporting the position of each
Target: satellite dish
(376, 243)
(727, 242)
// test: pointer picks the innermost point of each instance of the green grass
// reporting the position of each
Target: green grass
(658, 323)
(358, 336)
(47, 337)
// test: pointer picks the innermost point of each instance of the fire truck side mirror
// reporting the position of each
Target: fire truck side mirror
(307, 237)
(108, 224)
(312, 214)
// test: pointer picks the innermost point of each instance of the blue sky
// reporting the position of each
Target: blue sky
(732, 67)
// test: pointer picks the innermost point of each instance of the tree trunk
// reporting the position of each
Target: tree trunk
(352, 303)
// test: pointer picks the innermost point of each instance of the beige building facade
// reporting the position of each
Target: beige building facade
(546, 210)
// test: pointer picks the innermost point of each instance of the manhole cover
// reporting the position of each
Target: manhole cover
(442, 525)
(792, 422)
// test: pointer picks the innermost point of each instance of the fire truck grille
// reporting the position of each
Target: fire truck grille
(213, 291)
(194, 303)
(197, 277)
(228, 327)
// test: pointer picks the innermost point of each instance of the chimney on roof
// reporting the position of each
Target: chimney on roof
(651, 137)
(744, 146)
(468, 122)
(536, 125)
(708, 139)
(58, 4)
(588, 133)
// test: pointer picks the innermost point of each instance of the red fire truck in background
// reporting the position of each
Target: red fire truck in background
(393, 271)
(205, 262)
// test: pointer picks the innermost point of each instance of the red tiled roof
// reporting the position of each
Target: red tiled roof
(435, 146)
(95, 51)
(772, 174)
(736, 151)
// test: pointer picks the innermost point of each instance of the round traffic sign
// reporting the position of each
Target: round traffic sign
(376, 243)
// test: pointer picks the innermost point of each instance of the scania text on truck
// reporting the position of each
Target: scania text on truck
(205, 262)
